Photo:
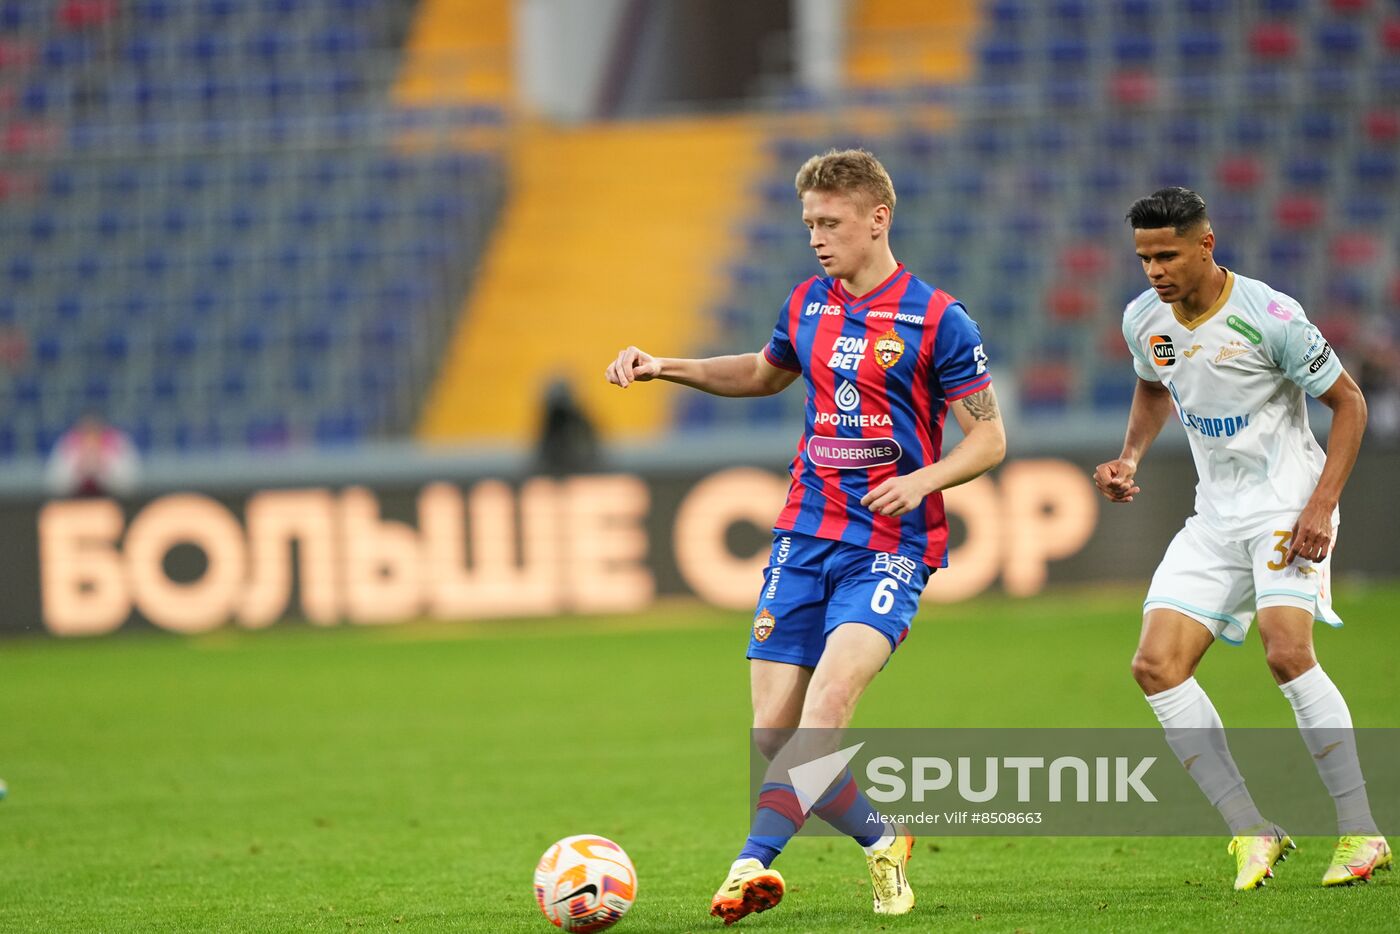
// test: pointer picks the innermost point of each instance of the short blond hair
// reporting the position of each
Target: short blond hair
(853, 172)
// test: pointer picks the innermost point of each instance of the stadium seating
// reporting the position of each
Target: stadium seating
(1282, 113)
(218, 230)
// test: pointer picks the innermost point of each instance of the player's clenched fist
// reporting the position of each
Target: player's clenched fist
(633, 365)
(1115, 480)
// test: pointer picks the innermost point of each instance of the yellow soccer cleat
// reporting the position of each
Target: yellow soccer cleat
(750, 888)
(888, 883)
(1256, 853)
(1355, 858)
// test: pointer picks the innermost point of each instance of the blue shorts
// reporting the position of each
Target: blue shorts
(813, 585)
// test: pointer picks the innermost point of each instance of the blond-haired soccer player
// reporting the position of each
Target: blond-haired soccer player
(1233, 358)
(884, 356)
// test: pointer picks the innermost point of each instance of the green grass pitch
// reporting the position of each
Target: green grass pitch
(407, 778)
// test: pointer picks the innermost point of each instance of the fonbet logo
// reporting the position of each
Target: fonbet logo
(890, 779)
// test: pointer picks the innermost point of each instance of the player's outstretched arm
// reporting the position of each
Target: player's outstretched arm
(983, 447)
(1312, 533)
(1152, 406)
(736, 375)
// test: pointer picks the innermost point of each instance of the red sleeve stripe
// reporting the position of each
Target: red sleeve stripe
(967, 389)
(768, 355)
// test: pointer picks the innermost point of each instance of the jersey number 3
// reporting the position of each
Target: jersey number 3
(1280, 546)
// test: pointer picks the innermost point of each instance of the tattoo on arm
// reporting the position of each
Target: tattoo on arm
(982, 405)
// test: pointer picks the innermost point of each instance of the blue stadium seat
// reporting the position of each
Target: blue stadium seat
(1366, 210)
(1340, 38)
(1071, 14)
(696, 410)
(1376, 167)
(1001, 54)
(1005, 14)
(1068, 93)
(1068, 52)
(1138, 9)
(337, 429)
(1112, 388)
(1134, 48)
(264, 431)
(41, 228)
(234, 384)
(1332, 82)
(1320, 127)
(164, 386)
(96, 390)
(27, 391)
(48, 349)
(1307, 171)
(1250, 130)
(1226, 255)
(1287, 252)
(116, 346)
(1267, 85)
(20, 269)
(1201, 47)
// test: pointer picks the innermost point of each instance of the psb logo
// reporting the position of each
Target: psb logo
(889, 347)
(847, 396)
(1163, 351)
(763, 625)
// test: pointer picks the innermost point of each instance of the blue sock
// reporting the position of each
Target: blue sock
(778, 817)
(849, 811)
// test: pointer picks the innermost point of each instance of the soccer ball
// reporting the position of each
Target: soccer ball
(585, 883)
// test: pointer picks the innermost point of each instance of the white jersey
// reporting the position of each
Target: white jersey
(1237, 375)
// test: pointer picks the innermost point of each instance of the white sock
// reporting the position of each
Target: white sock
(1196, 735)
(1325, 722)
(887, 840)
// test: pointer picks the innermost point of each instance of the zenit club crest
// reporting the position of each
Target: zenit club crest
(889, 347)
(763, 625)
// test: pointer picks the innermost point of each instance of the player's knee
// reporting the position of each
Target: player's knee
(831, 707)
(1155, 674)
(770, 739)
(1289, 660)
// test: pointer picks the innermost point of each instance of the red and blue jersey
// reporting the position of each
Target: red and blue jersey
(880, 371)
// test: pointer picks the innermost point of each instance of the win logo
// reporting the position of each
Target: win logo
(1163, 351)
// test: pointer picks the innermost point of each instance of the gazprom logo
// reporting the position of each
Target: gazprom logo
(1211, 426)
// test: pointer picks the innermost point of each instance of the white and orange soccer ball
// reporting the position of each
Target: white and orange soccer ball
(585, 883)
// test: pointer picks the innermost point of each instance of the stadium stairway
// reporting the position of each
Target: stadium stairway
(457, 52)
(895, 42)
(598, 247)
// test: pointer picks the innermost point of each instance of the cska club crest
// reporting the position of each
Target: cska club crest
(763, 625)
(889, 347)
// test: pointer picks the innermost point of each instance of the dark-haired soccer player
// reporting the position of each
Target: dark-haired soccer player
(884, 356)
(1233, 358)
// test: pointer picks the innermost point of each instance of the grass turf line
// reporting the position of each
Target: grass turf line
(408, 778)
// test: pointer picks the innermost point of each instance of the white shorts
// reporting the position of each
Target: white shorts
(1220, 580)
